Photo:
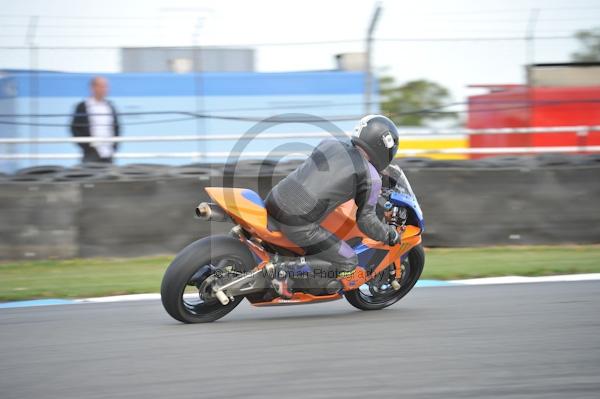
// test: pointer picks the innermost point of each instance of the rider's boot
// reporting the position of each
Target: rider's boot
(283, 269)
(281, 281)
(283, 285)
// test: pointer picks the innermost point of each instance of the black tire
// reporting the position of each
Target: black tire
(416, 262)
(43, 170)
(84, 176)
(206, 251)
(193, 171)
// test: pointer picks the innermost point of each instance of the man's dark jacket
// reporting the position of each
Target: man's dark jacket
(80, 127)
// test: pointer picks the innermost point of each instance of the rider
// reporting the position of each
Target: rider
(335, 172)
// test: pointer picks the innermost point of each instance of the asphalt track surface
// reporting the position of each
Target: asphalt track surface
(509, 341)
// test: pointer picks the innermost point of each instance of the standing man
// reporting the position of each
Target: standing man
(96, 117)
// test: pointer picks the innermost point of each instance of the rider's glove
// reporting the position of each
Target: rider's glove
(393, 236)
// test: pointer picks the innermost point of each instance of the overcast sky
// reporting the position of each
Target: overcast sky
(454, 64)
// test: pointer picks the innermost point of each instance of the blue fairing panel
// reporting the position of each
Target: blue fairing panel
(253, 197)
(361, 250)
(409, 201)
(369, 258)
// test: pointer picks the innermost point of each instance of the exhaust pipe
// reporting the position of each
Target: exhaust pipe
(211, 212)
(222, 297)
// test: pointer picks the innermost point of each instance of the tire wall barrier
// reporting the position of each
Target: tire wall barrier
(139, 211)
(477, 207)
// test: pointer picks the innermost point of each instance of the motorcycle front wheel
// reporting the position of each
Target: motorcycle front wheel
(203, 259)
(379, 293)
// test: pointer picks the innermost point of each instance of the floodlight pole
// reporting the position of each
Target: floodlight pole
(33, 78)
(369, 47)
(197, 71)
(530, 57)
(530, 38)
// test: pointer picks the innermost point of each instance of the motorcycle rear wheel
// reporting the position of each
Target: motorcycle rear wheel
(179, 294)
(413, 265)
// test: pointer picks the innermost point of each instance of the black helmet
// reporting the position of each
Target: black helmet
(378, 136)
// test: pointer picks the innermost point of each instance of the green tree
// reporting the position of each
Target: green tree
(414, 103)
(590, 41)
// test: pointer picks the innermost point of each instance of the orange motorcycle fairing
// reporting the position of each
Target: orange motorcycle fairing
(298, 298)
(342, 222)
(411, 237)
(247, 209)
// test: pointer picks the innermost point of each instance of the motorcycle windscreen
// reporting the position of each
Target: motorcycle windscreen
(403, 193)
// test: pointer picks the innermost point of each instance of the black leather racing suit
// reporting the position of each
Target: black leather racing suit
(334, 173)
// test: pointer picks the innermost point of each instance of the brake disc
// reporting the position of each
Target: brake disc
(378, 282)
(205, 290)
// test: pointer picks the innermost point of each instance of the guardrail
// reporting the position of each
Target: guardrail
(262, 154)
(581, 131)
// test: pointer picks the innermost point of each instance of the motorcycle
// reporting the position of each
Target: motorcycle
(211, 276)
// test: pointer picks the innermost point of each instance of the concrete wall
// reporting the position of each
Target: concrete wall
(462, 207)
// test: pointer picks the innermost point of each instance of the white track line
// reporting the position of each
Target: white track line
(426, 283)
(472, 281)
(524, 279)
(120, 298)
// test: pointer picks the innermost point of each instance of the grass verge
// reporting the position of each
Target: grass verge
(77, 278)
